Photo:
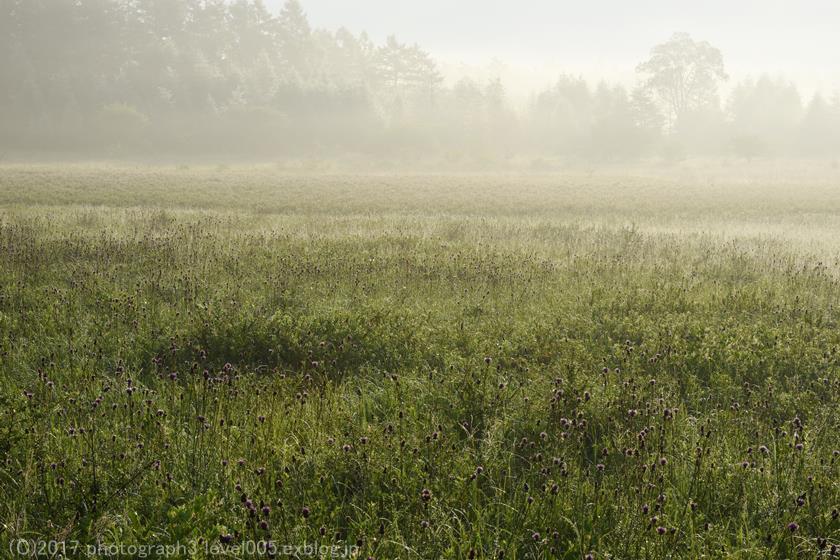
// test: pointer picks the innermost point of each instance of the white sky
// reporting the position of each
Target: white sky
(537, 39)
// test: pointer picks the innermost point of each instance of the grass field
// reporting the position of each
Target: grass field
(616, 364)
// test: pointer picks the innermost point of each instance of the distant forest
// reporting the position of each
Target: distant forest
(118, 78)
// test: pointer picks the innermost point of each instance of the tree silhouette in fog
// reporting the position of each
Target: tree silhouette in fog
(208, 77)
(683, 74)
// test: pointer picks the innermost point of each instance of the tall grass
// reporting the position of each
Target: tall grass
(428, 367)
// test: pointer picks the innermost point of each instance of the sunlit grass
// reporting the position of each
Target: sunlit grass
(428, 366)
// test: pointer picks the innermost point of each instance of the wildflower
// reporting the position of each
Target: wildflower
(661, 530)
(793, 526)
(305, 512)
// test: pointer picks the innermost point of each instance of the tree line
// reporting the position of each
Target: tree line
(123, 77)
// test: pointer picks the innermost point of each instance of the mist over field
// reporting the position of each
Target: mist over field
(414, 280)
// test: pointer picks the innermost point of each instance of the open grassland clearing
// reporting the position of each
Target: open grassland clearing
(628, 365)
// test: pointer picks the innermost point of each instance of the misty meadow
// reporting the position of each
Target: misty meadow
(270, 289)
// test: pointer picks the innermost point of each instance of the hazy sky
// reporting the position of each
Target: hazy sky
(537, 39)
